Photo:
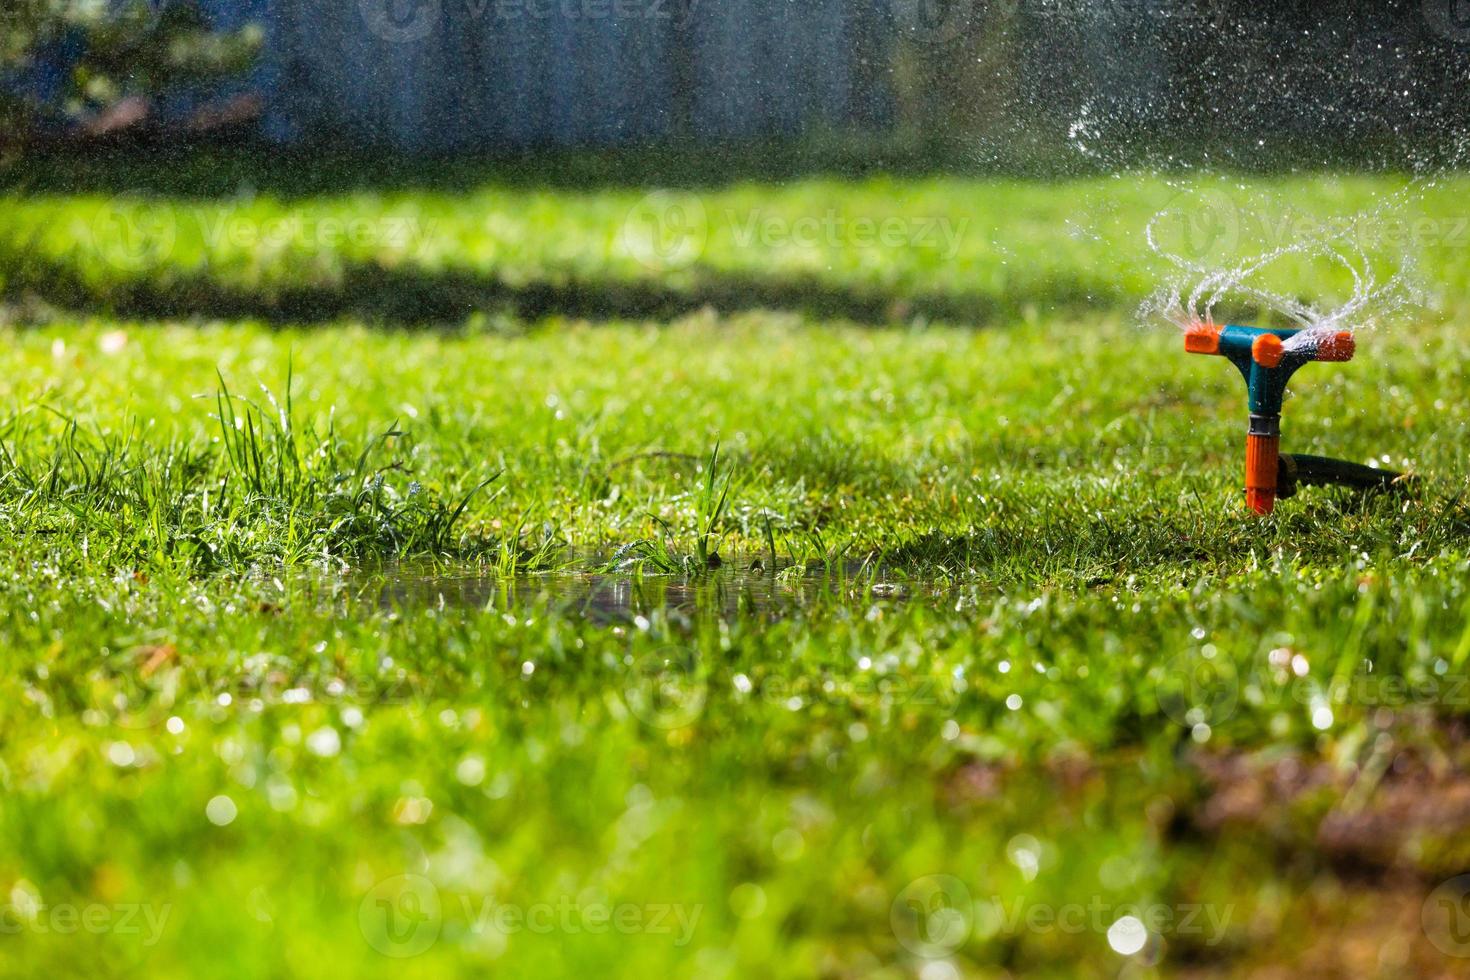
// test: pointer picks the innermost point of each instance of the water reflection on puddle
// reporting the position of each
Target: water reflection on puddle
(733, 591)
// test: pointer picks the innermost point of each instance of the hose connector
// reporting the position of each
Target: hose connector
(1262, 462)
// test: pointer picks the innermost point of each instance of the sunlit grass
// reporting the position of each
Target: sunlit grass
(998, 614)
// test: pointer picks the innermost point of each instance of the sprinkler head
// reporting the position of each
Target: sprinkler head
(1267, 364)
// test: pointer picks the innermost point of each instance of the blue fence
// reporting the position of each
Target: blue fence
(444, 75)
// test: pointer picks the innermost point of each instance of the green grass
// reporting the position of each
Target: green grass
(246, 689)
(238, 242)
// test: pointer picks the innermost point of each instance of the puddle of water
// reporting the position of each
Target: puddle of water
(737, 590)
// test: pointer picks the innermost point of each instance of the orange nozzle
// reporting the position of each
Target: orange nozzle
(1262, 458)
(1268, 350)
(1203, 338)
(1341, 346)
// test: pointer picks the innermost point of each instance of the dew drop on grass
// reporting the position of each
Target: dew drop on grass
(470, 771)
(748, 900)
(939, 970)
(324, 742)
(1128, 935)
(788, 844)
(1024, 851)
(221, 811)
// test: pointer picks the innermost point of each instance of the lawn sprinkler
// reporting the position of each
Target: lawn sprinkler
(1267, 360)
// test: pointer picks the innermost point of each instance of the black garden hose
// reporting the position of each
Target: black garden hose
(1297, 470)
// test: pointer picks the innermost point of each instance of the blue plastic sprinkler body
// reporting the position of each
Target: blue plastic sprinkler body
(1267, 366)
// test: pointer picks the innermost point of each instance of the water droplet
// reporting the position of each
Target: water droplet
(1128, 935)
(221, 811)
(324, 742)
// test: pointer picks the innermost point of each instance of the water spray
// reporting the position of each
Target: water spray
(1267, 359)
